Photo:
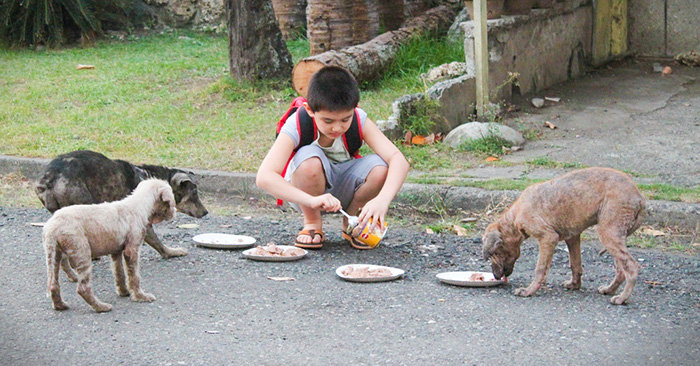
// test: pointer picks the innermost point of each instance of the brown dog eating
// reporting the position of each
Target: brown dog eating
(561, 209)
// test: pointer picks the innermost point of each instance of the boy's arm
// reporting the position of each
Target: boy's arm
(269, 178)
(396, 175)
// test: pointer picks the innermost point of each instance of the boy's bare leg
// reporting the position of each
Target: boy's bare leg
(368, 190)
(310, 178)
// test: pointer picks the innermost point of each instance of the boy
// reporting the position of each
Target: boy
(323, 176)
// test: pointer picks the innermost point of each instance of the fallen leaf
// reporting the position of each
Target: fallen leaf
(407, 138)
(247, 217)
(430, 139)
(188, 226)
(84, 67)
(225, 226)
(653, 283)
(418, 140)
(492, 158)
(429, 231)
(40, 224)
(695, 244)
(552, 99)
(550, 125)
(469, 219)
(282, 278)
(667, 70)
(652, 232)
(460, 231)
(211, 332)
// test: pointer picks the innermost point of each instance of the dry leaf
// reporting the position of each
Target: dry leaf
(84, 67)
(407, 138)
(650, 231)
(40, 224)
(211, 332)
(282, 278)
(418, 140)
(552, 99)
(667, 70)
(460, 231)
(469, 219)
(653, 283)
(188, 226)
(430, 139)
(225, 226)
(492, 158)
(550, 125)
(429, 231)
(247, 217)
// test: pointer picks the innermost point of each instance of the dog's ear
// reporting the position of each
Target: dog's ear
(180, 178)
(492, 241)
(166, 195)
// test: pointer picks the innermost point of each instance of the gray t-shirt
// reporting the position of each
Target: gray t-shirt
(336, 153)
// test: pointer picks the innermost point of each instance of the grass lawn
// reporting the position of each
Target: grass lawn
(161, 99)
(167, 99)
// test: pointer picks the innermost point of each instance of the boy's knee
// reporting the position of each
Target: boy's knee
(377, 174)
(310, 168)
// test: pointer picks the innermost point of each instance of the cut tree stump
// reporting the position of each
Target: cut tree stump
(367, 61)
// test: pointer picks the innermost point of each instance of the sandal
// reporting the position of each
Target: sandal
(312, 234)
(355, 243)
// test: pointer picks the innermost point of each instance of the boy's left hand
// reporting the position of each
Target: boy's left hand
(374, 209)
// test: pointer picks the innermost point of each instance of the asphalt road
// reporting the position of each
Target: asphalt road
(216, 307)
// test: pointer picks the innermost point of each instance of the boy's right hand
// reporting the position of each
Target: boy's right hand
(325, 202)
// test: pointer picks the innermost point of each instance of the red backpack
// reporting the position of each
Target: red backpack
(306, 126)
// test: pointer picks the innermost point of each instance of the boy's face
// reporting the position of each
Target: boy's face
(332, 124)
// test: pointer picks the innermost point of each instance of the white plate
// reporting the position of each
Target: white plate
(462, 279)
(270, 258)
(224, 241)
(395, 273)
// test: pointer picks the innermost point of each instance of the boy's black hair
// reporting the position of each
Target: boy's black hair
(333, 88)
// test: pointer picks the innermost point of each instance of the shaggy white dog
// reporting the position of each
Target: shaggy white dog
(83, 232)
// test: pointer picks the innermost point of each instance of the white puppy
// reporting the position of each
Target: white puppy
(83, 232)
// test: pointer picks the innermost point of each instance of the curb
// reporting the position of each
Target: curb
(454, 199)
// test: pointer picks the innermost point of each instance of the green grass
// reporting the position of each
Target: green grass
(161, 99)
(547, 162)
(670, 193)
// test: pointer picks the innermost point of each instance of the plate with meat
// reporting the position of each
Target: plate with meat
(469, 278)
(224, 241)
(368, 273)
(275, 253)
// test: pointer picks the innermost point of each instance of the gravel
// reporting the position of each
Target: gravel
(215, 307)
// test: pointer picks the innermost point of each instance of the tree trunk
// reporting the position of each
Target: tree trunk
(390, 14)
(366, 61)
(291, 16)
(256, 47)
(329, 25)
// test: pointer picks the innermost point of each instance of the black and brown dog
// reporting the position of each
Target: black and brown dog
(87, 177)
(561, 209)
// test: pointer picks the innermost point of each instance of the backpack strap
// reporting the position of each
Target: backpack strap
(307, 128)
(353, 136)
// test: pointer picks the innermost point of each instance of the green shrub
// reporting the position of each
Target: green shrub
(56, 22)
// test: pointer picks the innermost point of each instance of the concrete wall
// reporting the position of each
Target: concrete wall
(546, 47)
(664, 27)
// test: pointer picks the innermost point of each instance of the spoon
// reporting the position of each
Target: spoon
(352, 220)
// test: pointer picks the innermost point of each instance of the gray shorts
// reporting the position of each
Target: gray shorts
(342, 179)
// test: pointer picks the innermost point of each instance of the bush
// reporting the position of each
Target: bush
(56, 22)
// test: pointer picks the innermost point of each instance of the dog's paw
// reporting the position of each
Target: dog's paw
(570, 285)
(606, 290)
(60, 306)
(617, 300)
(123, 292)
(522, 292)
(143, 297)
(102, 307)
(174, 252)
